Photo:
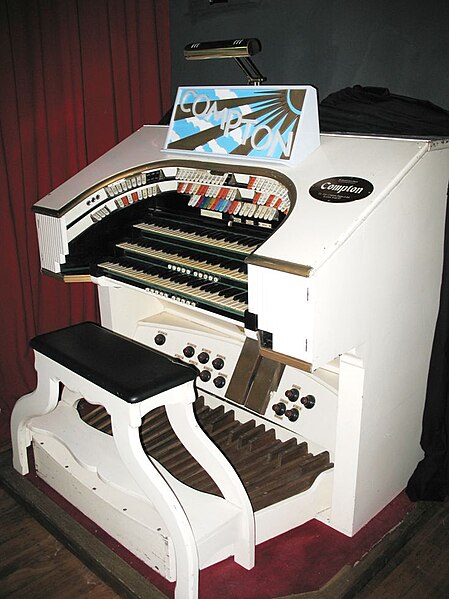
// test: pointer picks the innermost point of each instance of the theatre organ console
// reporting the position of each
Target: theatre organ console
(309, 318)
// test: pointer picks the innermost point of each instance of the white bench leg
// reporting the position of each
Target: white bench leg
(185, 426)
(125, 429)
(40, 401)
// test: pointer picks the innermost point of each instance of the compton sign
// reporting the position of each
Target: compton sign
(266, 123)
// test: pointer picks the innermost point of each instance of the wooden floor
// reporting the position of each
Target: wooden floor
(411, 562)
(421, 567)
(33, 564)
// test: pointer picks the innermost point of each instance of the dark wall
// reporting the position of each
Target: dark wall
(399, 44)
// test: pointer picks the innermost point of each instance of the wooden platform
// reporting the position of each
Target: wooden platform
(411, 561)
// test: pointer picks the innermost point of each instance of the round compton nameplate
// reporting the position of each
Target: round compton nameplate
(339, 190)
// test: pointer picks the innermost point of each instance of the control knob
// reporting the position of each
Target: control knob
(219, 382)
(205, 375)
(160, 339)
(292, 414)
(308, 401)
(188, 351)
(292, 394)
(218, 363)
(203, 357)
(279, 408)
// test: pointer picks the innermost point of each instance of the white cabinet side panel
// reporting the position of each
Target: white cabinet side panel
(380, 295)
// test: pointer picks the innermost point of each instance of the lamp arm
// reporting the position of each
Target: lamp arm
(252, 73)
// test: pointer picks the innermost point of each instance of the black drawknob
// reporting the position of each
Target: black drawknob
(218, 363)
(279, 408)
(188, 351)
(219, 382)
(205, 375)
(292, 414)
(308, 401)
(160, 339)
(203, 357)
(292, 394)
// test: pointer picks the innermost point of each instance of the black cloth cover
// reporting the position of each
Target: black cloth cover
(127, 369)
(375, 110)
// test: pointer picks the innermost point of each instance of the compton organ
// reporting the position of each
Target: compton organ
(305, 295)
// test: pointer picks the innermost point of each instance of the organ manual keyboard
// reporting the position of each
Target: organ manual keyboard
(304, 293)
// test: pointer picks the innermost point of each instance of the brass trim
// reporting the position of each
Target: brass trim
(287, 360)
(222, 49)
(282, 265)
(77, 278)
(208, 53)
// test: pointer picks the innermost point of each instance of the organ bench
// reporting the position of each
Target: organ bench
(129, 380)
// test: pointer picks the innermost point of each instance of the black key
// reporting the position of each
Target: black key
(241, 297)
(196, 282)
(228, 292)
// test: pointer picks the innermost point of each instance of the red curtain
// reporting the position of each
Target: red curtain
(77, 76)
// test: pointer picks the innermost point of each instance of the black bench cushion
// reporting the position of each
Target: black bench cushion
(129, 370)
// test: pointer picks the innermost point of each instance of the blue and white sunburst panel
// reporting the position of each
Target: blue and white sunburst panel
(275, 123)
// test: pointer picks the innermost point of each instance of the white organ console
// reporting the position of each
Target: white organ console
(309, 319)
